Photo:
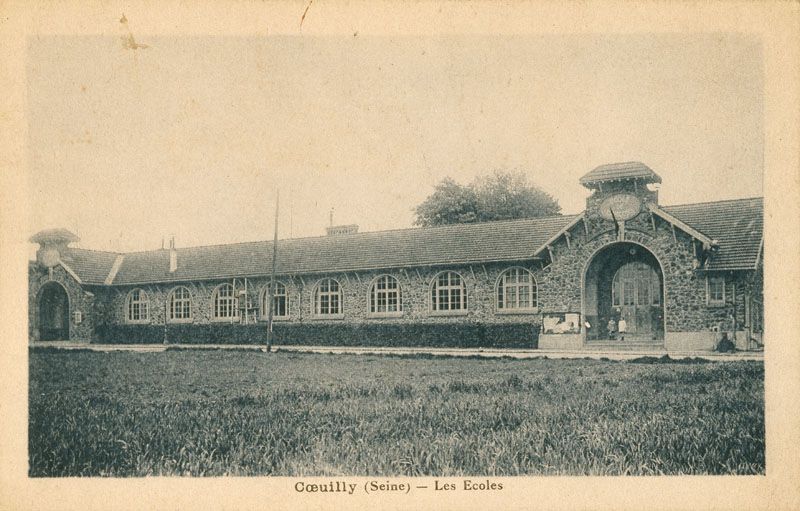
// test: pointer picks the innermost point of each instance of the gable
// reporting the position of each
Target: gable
(737, 225)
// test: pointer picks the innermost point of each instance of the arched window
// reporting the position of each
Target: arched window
(448, 292)
(137, 306)
(516, 290)
(280, 308)
(180, 305)
(635, 283)
(384, 296)
(226, 303)
(328, 298)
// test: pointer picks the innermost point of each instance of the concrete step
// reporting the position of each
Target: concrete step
(625, 345)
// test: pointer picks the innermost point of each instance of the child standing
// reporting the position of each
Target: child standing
(623, 327)
(612, 327)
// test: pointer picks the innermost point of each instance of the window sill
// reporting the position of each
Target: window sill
(384, 315)
(716, 305)
(511, 312)
(449, 313)
(235, 319)
(137, 322)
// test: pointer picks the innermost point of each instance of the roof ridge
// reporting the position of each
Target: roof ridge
(325, 236)
(712, 202)
(95, 250)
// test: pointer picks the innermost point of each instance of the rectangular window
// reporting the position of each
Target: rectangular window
(715, 290)
(628, 293)
(644, 292)
(279, 305)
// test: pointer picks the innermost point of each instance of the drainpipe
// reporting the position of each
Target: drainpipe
(166, 306)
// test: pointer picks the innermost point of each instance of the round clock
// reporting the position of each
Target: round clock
(624, 206)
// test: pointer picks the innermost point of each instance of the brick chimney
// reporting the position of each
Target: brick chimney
(173, 255)
(339, 230)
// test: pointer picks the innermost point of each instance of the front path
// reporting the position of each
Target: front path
(453, 352)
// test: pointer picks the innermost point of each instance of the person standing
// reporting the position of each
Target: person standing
(622, 327)
(612, 327)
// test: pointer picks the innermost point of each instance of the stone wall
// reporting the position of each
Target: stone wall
(686, 307)
(480, 281)
(80, 299)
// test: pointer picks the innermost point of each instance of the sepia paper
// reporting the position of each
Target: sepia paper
(134, 28)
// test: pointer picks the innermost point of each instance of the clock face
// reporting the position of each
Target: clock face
(623, 205)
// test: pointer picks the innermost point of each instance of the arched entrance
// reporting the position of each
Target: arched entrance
(53, 306)
(624, 280)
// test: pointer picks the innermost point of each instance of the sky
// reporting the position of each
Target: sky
(133, 141)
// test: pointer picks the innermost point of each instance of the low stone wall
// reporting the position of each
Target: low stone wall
(690, 341)
(560, 342)
(456, 335)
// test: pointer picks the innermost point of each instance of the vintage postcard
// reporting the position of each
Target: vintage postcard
(335, 255)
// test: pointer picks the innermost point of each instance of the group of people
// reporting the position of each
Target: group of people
(617, 328)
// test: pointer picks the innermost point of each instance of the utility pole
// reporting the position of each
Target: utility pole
(271, 287)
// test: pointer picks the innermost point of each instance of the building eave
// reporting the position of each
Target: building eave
(70, 271)
(324, 272)
(557, 235)
(760, 253)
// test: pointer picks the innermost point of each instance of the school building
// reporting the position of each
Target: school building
(678, 277)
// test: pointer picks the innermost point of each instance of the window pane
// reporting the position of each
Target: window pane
(516, 290)
(524, 296)
(628, 292)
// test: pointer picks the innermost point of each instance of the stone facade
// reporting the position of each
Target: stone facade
(80, 299)
(690, 322)
(569, 271)
(480, 282)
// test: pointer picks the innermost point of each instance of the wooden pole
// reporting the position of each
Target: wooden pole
(271, 287)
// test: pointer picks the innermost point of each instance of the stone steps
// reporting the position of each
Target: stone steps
(625, 345)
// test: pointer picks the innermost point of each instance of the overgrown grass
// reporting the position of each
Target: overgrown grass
(251, 413)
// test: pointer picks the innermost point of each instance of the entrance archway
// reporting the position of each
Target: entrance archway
(53, 306)
(624, 280)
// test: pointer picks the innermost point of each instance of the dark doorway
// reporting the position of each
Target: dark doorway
(635, 296)
(624, 281)
(53, 313)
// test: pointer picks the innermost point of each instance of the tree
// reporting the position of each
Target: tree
(450, 203)
(499, 196)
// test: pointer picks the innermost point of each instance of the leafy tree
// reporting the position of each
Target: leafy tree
(498, 196)
(450, 203)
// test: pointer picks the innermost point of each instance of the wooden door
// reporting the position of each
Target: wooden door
(636, 294)
(53, 313)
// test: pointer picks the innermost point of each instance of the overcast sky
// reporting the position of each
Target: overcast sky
(192, 136)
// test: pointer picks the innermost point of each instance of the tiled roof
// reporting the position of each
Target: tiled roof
(737, 224)
(92, 266)
(452, 244)
(617, 171)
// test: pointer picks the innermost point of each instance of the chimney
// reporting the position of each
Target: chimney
(339, 230)
(173, 255)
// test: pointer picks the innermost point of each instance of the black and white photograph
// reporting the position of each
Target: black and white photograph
(390, 264)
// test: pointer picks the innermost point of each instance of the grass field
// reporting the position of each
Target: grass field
(252, 413)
